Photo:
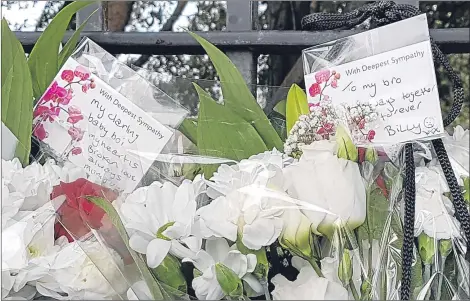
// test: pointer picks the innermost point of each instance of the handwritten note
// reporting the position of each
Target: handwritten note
(400, 85)
(84, 120)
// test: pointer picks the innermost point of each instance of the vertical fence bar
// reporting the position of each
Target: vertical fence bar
(240, 18)
(96, 21)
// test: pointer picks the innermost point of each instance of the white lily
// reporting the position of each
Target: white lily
(332, 188)
(206, 286)
(11, 203)
(307, 286)
(260, 169)
(160, 218)
(253, 212)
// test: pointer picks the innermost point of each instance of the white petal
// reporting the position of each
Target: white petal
(202, 261)
(217, 248)
(180, 251)
(262, 232)
(193, 243)
(237, 262)
(254, 284)
(156, 252)
(215, 291)
(139, 243)
(299, 263)
(251, 265)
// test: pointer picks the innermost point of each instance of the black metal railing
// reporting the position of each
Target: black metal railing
(242, 42)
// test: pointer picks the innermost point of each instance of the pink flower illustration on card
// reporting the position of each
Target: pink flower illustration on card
(56, 104)
(323, 79)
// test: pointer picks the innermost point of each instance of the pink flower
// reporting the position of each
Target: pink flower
(371, 135)
(337, 75)
(334, 83)
(51, 92)
(326, 97)
(76, 150)
(67, 98)
(82, 73)
(75, 115)
(328, 127)
(314, 89)
(75, 133)
(84, 88)
(92, 84)
(40, 132)
(45, 112)
(362, 123)
(67, 75)
(322, 76)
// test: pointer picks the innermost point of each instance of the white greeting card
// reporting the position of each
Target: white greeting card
(84, 120)
(398, 86)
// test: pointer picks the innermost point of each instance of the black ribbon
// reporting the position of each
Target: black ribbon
(383, 13)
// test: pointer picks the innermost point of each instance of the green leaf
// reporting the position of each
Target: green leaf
(17, 93)
(69, 47)
(237, 96)
(189, 128)
(223, 134)
(346, 148)
(296, 105)
(281, 107)
(230, 283)
(377, 212)
(44, 58)
(155, 287)
(169, 272)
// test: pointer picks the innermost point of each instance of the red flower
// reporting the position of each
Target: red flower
(84, 88)
(322, 76)
(362, 123)
(77, 214)
(67, 75)
(75, 115)
(76, 151)
(45, 112)
(82, 73)
(334, 84)
(371, 135)
(40, 132)
(314, 89)
(362, 154)
(75, 133)
(328, 127)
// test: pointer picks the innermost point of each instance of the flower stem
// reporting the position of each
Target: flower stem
(353, 290)
(442, 265)
(426, 277)
(267, 296)
(315, 266)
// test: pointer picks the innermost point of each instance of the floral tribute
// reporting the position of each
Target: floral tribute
(56, 105)
(310, 217)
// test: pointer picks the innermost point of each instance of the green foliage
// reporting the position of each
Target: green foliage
(237, 96)
(296, 105)
(223, 134)
(154, 285)
(169, 272)
(17, 93)
(262, 264)
(230, 283)
(189, 128)
(44, 58)
(69, 47)
(346, 148)
(281, 107)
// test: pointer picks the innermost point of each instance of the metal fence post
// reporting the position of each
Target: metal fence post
(240, 18)
(96, 21)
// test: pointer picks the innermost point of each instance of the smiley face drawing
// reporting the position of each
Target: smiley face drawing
(429, 122)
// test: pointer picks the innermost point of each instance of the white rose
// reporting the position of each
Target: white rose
(330, 188)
